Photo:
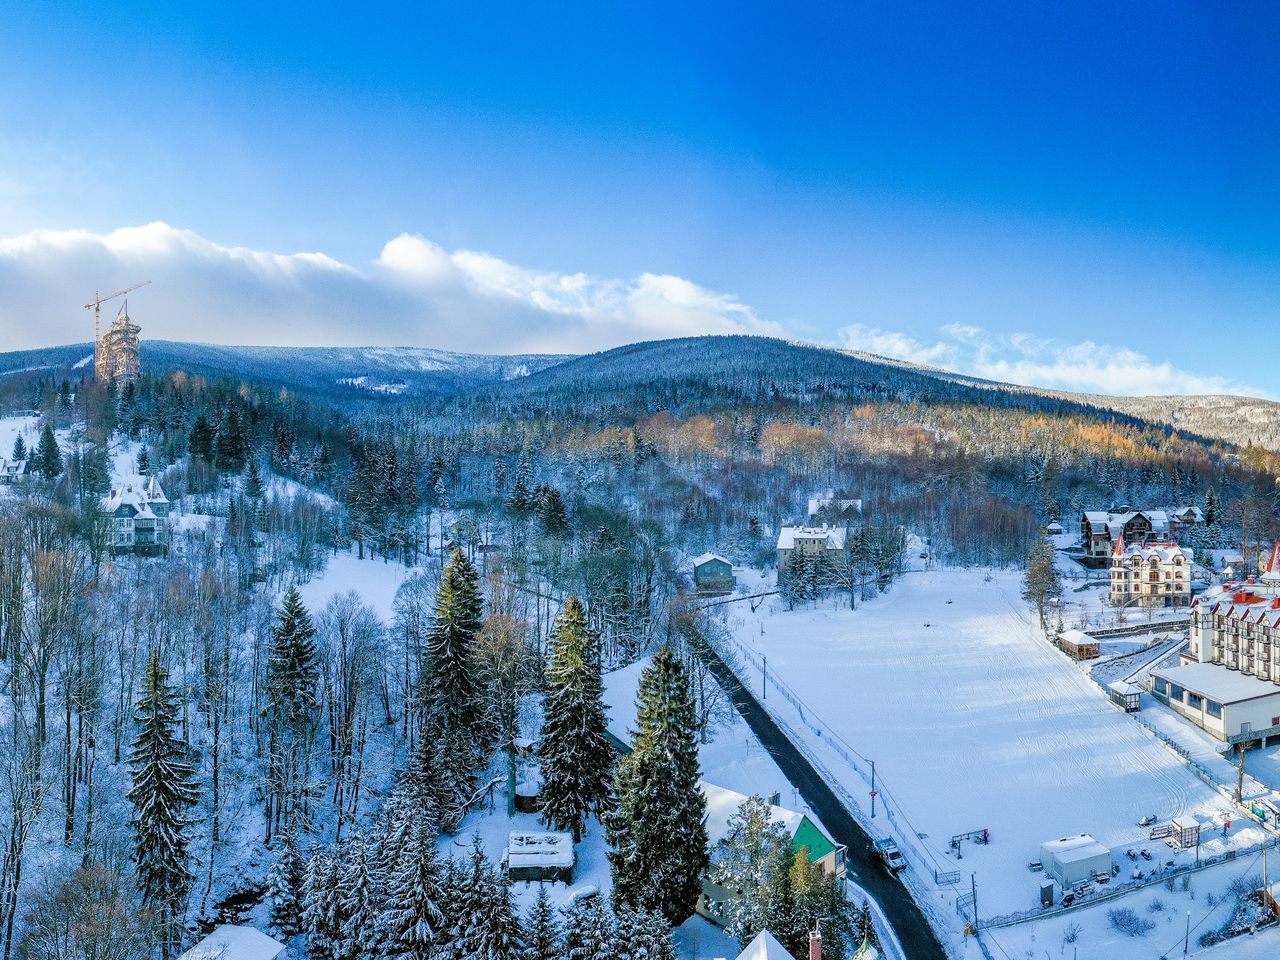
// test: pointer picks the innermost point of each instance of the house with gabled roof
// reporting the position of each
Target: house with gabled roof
(805, 834)
(1150, 575)
(13, 471)
(138, 516)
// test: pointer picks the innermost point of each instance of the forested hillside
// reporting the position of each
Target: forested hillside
(322, 745)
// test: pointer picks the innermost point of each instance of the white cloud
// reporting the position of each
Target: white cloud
(1025, 358)
(417, 293)
(414, 293)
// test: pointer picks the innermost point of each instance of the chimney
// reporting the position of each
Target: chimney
(815, 944)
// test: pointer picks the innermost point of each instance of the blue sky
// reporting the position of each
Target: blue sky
(1072, 194)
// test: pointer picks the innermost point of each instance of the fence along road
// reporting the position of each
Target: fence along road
(908, 923)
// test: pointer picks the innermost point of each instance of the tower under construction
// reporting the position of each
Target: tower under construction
(115, 353)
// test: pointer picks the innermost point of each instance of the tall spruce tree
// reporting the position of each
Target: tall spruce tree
(643, 935)
(451, 696)
(287, 885)
(589, 931)
(413, 919)
(542, 936)
(657, 832)
(48, 454)
(292, 675)
(361, 931)
(19, 448)
(164, 790)
(575, 752)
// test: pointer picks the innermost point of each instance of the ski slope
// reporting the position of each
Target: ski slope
(974, 721)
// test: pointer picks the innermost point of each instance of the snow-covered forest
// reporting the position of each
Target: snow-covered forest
(378, 614)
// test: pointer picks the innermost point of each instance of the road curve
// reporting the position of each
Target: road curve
(909, 924)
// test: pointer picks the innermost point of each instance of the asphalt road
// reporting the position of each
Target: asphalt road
(913, 930)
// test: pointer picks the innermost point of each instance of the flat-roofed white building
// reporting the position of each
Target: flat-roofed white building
(1074, 860)
(1231, 705)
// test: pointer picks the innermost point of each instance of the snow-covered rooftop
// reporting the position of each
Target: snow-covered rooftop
(832, 537)
(1163, 552)
(1074, 849)
(539, 850)
(707, 557)
(765, 947)
(140, 498)
(232, 942)
(1076, 637)
(1218, 683)
(723, 803)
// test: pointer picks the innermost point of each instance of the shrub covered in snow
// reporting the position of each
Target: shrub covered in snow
(1129, 923)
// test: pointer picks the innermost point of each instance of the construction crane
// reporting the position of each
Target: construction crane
(96, 303)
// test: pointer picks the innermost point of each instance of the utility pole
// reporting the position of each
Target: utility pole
(973, 880)
(873, 789)
(1186, 940)
(764, 677)
(1240, 745)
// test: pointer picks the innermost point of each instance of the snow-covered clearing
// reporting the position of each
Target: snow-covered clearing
(13, 427)
(375, 579)
(974, 722)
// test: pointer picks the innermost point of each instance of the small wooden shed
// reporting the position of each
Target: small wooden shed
(712, 573)
(1078, 644)
(539, 856)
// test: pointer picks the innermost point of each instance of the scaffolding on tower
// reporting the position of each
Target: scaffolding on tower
(115, 353)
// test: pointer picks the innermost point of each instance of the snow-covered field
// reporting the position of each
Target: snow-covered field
(13, 427)
(974, 722)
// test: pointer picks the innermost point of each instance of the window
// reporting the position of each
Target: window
(1214, 709)
(1162, 686)
(1275, 721)
(1195, 700)
(1175, 691)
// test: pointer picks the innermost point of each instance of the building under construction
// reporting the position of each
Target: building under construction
(115, 353)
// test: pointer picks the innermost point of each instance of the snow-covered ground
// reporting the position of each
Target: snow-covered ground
(375, 579)
(974, 722)
(13, 427)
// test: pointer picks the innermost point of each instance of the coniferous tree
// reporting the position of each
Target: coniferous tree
(452, 698)
(164, 790)
(144, 462)
(756, 852)
(1041, 581)
(575, 752)
(287, 884)
(19, 448)
(321, 913)
(413, 920)
(292, 675)
(542, 937)
(361, 929)
(200, 443)
(658, 833)
(48, 455)
(589, 931)
(643, 935)
(253, 488)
